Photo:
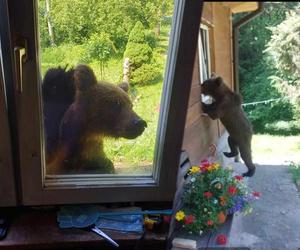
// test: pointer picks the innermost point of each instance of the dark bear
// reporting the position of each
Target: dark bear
(98, 109)
(227, 106)
(58, 90)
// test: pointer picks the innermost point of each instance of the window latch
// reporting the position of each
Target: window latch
(20, 56)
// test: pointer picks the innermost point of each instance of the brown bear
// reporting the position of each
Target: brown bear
(227, 106)
(99, 109)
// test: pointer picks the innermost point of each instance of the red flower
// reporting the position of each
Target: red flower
(210, 223)
(238, 177)
(256, 194)
(204, 164)
(207, 194)
(232, 189)
(221, 239)
(205, 161)
(189, 219)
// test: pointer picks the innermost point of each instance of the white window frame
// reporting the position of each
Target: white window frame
(204, 67)
(204, 28)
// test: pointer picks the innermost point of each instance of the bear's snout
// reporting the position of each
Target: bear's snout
(135, 128)
(140, 122)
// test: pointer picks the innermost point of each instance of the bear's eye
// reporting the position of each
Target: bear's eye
(117, 105)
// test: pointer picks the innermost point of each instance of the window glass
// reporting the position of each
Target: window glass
(204, 58)
(102, 67)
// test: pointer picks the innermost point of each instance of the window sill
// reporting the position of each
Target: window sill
(39, 230)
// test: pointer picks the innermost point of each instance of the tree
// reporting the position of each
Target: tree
(255, 69)
(283, 49)
(154, 12)
(100, 48)
(50, 28)
(74, 21)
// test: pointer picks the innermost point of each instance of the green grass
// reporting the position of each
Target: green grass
(274, 148)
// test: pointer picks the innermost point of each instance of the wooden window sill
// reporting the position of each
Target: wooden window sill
(39, 230)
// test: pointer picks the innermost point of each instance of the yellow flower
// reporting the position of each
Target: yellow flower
(216, 165)
(194, 169)
(180, 215)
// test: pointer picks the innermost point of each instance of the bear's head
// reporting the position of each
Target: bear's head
(212, 86)
(58, 86)
(109, 110)
(215, 87)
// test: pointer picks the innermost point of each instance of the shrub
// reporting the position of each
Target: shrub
(138, 54)
(151, 39)
(283, 128)
(262, 114)
(99, 47)
(147, 73)
(143, 68)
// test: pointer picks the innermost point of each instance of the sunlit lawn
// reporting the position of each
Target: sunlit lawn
(270, 149)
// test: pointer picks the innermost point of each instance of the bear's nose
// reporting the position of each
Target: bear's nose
(140, 122)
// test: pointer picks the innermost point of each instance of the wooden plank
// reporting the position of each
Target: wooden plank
(207, 12)
(222, 42)
(195, 94)
(241, 6)
(198, 136)
(194, 113)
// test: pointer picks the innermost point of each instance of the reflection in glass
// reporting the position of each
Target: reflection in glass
(103, 65)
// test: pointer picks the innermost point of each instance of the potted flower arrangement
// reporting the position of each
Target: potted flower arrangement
(210, 194)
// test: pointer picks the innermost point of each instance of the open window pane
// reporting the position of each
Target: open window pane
(38, 184)
(91, 126)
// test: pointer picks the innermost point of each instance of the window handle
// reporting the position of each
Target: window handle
(20, 53)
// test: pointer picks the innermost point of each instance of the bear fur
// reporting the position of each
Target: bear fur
(58, 90)
(227, 106)
(93, 111)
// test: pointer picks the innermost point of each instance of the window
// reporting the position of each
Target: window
(204, 55)
(40, 185)
(204, 58)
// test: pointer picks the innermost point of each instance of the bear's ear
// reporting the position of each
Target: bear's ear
(213, 74)
(84, 77)
(124, 86)
(218, 80)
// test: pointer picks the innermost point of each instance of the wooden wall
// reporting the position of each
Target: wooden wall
(201, 131)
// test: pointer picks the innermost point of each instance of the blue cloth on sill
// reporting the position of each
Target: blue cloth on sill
(83, 216)
(127, 223)
(79, 216)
